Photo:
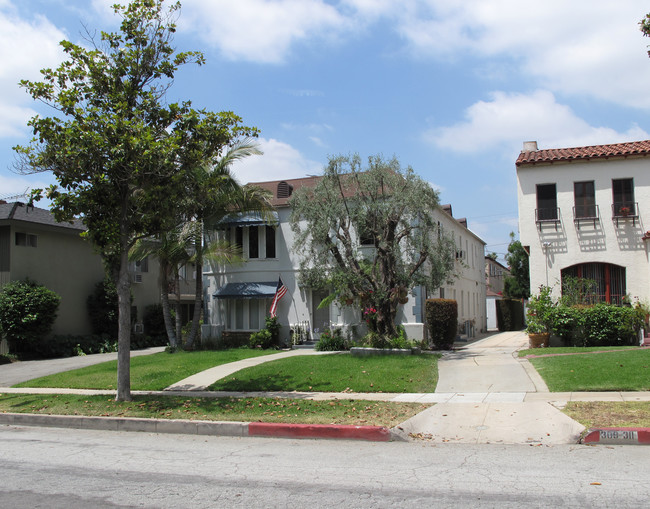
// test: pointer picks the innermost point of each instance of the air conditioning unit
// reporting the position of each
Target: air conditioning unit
(137, 278)
(138, 328)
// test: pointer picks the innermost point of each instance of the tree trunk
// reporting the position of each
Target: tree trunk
(164, 298)
(198, 295)
(124, 327)
(177, 306)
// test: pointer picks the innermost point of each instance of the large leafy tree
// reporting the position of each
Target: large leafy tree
(369, 234)
(517, 284)
(121, 155)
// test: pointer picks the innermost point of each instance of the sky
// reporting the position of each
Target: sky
(451, 88)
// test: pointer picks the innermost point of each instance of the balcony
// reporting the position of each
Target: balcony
(624, 211)
(549, 215)
(585, 213)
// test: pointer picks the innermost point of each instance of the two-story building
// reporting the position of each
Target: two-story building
(238, 297)
(584, 212)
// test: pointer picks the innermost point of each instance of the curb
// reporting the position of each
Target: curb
(214, 428)
(617, 436)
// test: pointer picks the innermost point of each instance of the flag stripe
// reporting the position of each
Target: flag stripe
(280, 292)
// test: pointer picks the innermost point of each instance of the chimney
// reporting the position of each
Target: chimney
(530, 146)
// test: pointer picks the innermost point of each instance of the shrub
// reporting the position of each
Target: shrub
(442, 322)
(510, 314)
(27, 313)
(332, 341)
(598, 325)
(153, 321)
(102, 308)
(262, 339)
(540, 314)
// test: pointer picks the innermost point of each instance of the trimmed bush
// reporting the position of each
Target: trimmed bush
(510, 314)
(442, 322)
(27, 314)
(262, 339)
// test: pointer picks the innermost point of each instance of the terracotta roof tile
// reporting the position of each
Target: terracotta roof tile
(614, 150)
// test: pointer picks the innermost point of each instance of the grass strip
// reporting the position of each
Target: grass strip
(148, 372)
(338, 373)
(354, 412)
(608, 414)
(624, 370)
(574, 350)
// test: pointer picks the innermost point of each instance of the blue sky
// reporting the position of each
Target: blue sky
(452, 88)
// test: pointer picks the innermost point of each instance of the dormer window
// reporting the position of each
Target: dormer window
(284, 190)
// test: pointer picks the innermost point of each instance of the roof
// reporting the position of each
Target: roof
(614, 150)
(293, 185)
(18, 211)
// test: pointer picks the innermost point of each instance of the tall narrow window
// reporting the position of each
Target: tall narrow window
(585, 199)
(546, 202)
(623, 195)
(253, 242)
(270, 242)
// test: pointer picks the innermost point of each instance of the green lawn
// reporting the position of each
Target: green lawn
(573, 349)
(622, 370)
(148, 372)
(338, 373)
(359, 412)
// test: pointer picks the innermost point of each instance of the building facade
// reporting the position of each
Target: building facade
(238, 297)
(584, 213)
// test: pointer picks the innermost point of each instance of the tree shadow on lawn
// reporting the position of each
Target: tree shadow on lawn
(279, 383)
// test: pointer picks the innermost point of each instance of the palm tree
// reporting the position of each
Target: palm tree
(216, 194)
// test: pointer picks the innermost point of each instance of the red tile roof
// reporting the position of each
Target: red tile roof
(615, 150)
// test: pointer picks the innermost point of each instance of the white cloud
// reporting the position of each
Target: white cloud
(279, 161)
(589, 47)
(259, 30)
(26, 47)
(509, 119)
(17, 185)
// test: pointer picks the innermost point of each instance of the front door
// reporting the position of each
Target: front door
(320, 317)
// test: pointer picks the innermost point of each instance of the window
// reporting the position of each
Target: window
(26, 239)
(585, 199)
(623, 195)
(141, 265)
(253, 242)
(609, 281)
(270, 242)
(246, 314)
(546, 203)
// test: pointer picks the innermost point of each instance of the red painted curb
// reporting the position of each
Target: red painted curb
(346, 432)
(619, 436)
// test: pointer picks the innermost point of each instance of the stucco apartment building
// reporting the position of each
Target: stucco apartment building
(238, 297)
(34, 245)
(584, 212)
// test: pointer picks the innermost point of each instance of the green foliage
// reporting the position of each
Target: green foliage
(539, 316)
(59, 346)
(332, 341)
(369, 234)
(598, 325)
(442, 322)
(153, 321)
(510, 314)
(578, 291)
(27, 314)
(517, 285)
(102, 308)
(273, 326)
(262, 339)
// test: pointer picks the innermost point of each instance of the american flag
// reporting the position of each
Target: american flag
(280, 291)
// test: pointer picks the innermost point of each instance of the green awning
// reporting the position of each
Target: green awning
(246, 290)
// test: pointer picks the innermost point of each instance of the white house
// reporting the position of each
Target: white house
(583, 212)
(238, 297)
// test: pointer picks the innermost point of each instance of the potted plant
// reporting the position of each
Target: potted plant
(539, 318)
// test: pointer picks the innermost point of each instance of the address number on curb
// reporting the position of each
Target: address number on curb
(619, 435)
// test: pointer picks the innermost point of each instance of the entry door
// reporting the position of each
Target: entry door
(320, 317)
